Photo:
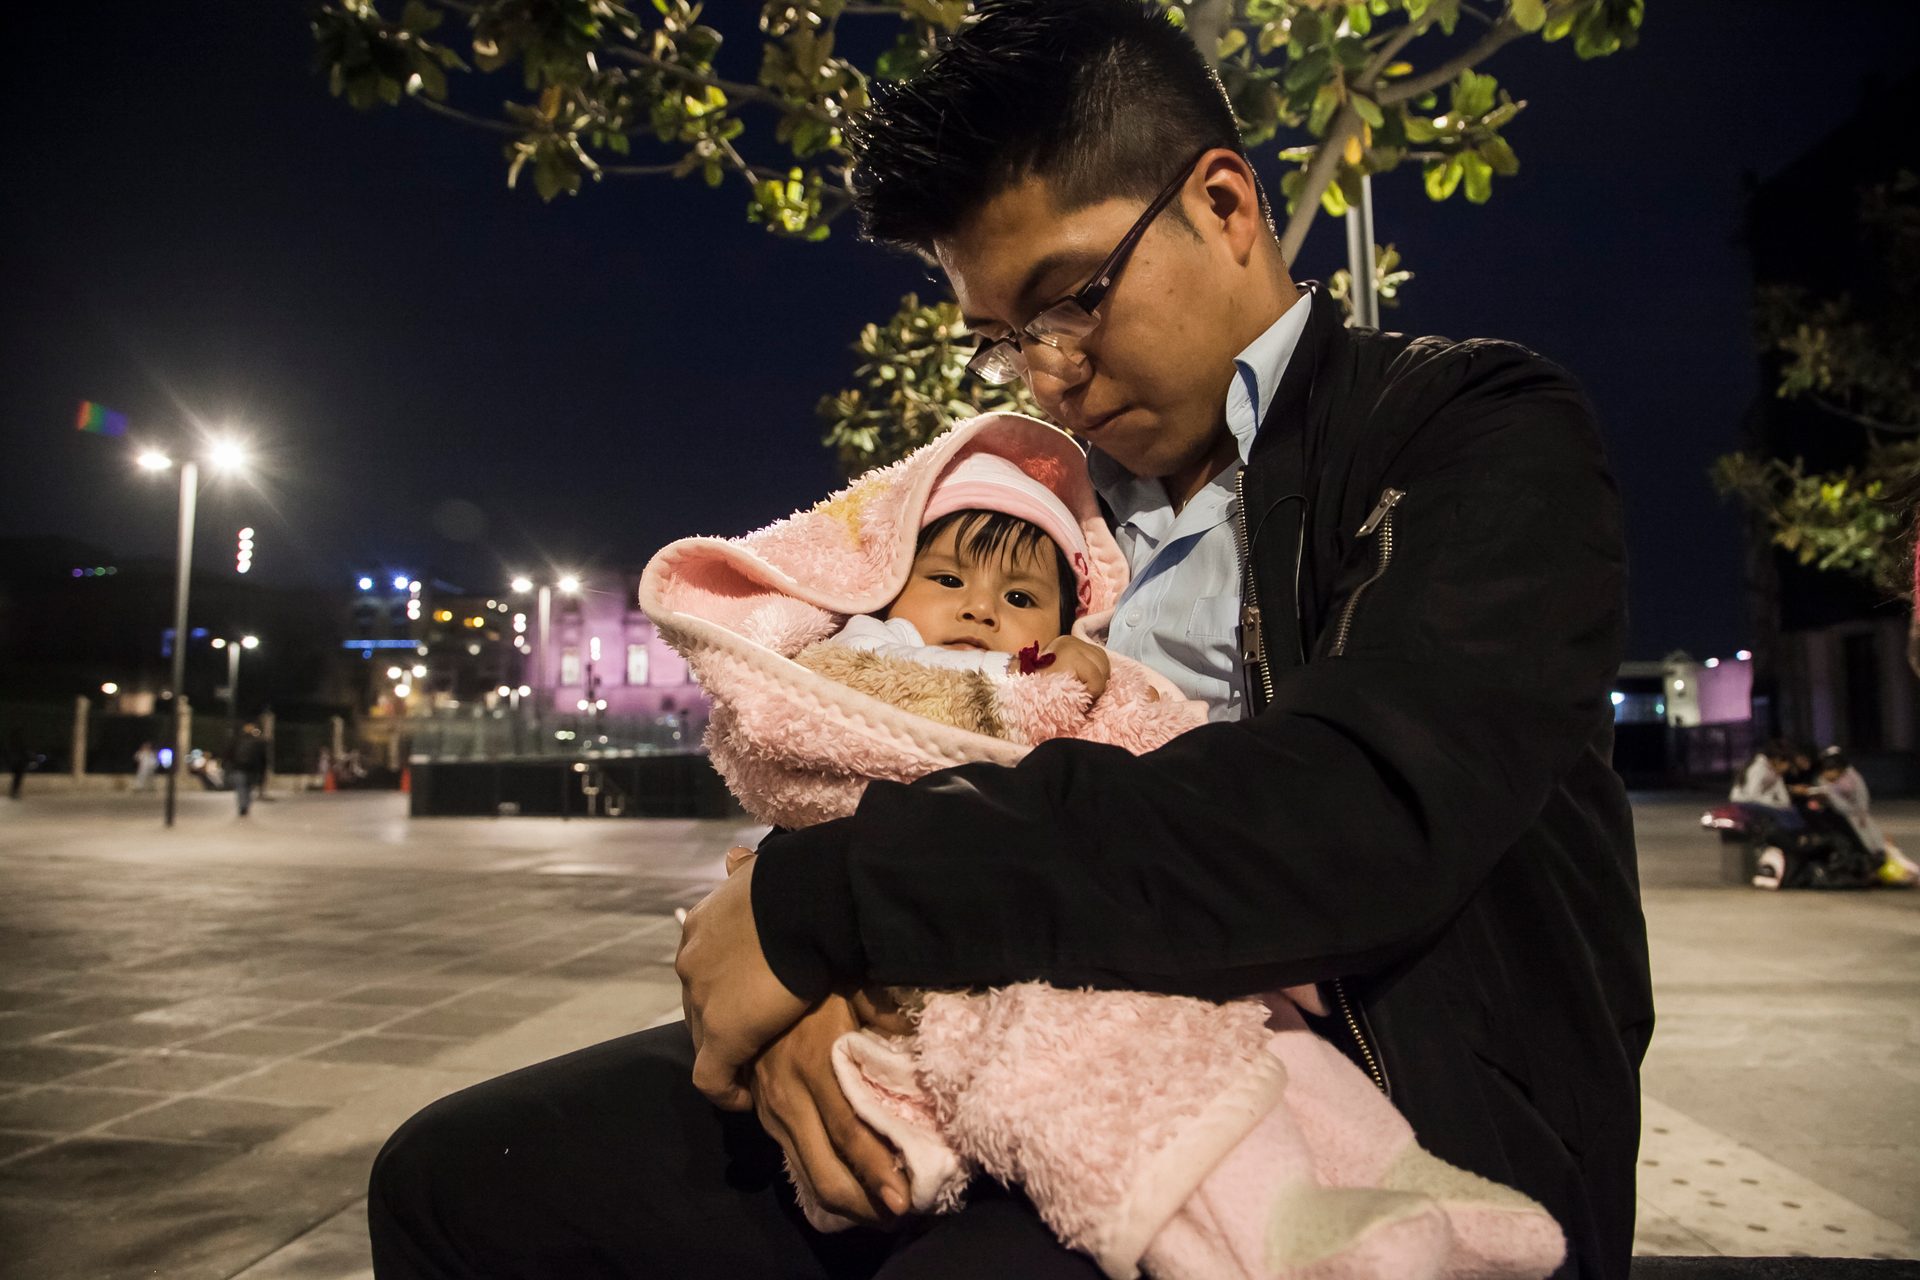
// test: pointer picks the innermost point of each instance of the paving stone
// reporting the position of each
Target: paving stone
(263, 1042)
(232, 1121)
(37, 1064)
(93, 1170)
(24, 1028)
(102, 1008)
(12, 1144)
(58, 1109)
(128, 1034)
(12, 1001)
(168, 1071)
(464, 1024)
(415, 997)
(397, 1051)
(300, 1081)
(334, 1017)
(215, 1011)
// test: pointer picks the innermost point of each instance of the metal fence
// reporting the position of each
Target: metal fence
(505, 735)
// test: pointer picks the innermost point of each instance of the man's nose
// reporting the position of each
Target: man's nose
(1052, 372)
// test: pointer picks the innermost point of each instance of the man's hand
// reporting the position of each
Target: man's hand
(735, 1006)
(846, 1166)
(1086, 661)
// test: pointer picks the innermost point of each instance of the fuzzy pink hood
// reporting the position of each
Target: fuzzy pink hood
(798, 748)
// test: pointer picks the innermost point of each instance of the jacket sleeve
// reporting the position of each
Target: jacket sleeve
(1333, 833)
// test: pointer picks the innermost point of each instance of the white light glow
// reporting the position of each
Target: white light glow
(569, 584)
(581, 705)
(522, 584)
(1712, 663)
(219, 642)
(1745, 655)
(365, 584)
(399, 582)
(153, 460)
(525, 690)
(1617, 697)
(419, 669)
(394, 673)
(249, 642)
(504, 691)
(227, 455)
(403, 691)
(109, 688)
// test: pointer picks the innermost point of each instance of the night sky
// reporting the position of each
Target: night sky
(443, 376)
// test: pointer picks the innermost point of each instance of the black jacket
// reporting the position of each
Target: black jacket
(1424, 808)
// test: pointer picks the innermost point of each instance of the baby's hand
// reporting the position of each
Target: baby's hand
(1087, 662)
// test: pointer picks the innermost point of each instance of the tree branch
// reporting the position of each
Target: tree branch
(467, 117)
(732, 88)
(1502, 33)
(1861, 419)
(1387, 52)
(1320, 174)
(638, 170)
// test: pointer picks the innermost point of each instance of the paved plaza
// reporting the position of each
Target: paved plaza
(206, 1033)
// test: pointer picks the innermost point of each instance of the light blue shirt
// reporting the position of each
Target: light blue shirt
(1181, 613)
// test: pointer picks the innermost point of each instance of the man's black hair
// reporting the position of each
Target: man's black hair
(986, 536)
(1101, 98)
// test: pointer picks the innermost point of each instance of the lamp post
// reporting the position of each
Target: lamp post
(543, 675)
(225, 455)
(233, 648)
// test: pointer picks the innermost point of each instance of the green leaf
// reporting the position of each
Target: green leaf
(1367, 109)
(1442, 176)
(1499, 157)
(1232, 42)
(1473, 95)
(1325, 103)
(1529, 15)
(1479, 177)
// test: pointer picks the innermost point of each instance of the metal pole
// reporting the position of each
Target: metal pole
(233, 684)
(189, 491)
(1360, 263)
(542, 688)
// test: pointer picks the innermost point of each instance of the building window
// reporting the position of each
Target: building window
(569, 666)
(636, 664)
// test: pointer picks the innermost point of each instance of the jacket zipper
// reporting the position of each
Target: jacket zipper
(1381, 522)
(1253, 639)
(1352, 1017)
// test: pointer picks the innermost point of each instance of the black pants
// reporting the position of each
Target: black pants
(606, 1163)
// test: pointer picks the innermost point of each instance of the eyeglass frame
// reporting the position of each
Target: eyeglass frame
(1090, 295)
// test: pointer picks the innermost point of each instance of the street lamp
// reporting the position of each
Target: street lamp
(233, 648)
(570, 585)
(225, 456)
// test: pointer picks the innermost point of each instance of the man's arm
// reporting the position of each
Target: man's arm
(1339, 829)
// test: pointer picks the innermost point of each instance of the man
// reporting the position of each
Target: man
(246, 762)
(1405, 794)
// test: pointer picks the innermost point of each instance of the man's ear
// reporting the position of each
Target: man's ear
(1229, 203)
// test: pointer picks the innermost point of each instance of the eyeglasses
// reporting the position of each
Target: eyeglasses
(1065, 324)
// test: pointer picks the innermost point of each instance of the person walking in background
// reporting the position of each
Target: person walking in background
(19, 760)
(145, 760)
(246, 759)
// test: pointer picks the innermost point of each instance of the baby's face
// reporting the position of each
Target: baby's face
(957, 602)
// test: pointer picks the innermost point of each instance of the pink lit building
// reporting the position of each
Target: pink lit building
(603, 649)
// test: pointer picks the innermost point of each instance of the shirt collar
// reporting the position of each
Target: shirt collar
(1256, 377)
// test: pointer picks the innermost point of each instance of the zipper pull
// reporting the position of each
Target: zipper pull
(1389, 499)
(1253, 640)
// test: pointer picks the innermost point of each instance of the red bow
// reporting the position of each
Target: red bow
(1032, 660)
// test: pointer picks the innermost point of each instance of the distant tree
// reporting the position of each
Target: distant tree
(595, 89)
(1855, 356)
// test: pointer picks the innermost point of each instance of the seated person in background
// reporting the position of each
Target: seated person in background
(1764, 781)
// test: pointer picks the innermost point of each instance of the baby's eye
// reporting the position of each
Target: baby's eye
(946, 579)
(1021, 600)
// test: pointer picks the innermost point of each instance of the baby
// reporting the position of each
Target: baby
(999, 575)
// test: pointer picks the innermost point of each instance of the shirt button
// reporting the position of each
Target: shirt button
(1133, 619)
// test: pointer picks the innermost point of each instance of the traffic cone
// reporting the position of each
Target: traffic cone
(406, 780)
(330, 784)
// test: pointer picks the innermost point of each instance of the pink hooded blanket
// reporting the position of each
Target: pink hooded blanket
(1190, 1138)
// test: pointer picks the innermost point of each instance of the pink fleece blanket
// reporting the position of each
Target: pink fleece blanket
(1192, 1138)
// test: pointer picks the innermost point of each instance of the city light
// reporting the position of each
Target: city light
(522, 584)
(581, 705)
(399, 582)
(569, 584)
(504, 691)
(419, 670)
(1711, 663)
(1745, 655)
(227, 455)
(219, 642)
(249, 642)
(394, 673)
(365, 584)
(109, 688)
(243, 556)
(525, 690)
(403, 691)
(1617, 697)
(153, 460)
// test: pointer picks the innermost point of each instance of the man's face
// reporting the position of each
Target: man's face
(1151, 392)
(1002, 603)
